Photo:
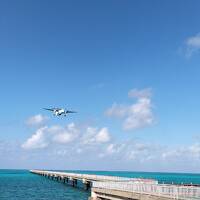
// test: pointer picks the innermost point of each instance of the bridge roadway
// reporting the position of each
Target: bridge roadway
(122, 188)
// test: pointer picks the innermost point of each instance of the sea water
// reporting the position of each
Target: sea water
(22, 185)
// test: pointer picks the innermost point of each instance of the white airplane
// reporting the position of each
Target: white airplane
(59, 111)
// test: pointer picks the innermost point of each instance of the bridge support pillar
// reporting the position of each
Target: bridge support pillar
(74, 182)
(87, 185)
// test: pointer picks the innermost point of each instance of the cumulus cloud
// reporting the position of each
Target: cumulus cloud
(117, 110)
(48, 135)
(114, 148)
(131, 151)
(59, 135)
(136, 115)
(103, 135)
(183, 153)
(36, 120)
(118, 155)
(93, 136)
(195, 150)
(37, 140)
(192, 45)
(66, 134)
(63, 138)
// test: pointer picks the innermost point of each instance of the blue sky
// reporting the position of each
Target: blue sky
(88, 56)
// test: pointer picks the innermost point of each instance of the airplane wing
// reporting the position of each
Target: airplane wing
(70, 111)
(50, 109)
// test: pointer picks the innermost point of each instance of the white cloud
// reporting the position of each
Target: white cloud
(65, 135)
(137, 115)
(63, 138)
(61, 152)
(110, 149)
(118, 155)
(58, 135)
(195, 150)
(194, 41)
(95, 136)
(183, 153)
(48, 135)
(114, 148)
(36, 120)
(89, 136)
(103, 135)
(139, 152)
(132, 151)
(37, 140)
(88, 144)
(117, 110)
(192, 45)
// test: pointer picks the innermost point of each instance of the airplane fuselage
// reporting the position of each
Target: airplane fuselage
(59, 112)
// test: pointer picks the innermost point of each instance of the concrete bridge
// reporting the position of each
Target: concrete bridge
(121, 188)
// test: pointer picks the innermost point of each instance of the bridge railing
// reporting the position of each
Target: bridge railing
(162, 190)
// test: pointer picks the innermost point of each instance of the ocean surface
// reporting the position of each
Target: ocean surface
(22, 185)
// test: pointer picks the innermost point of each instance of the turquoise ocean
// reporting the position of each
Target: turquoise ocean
(22, 185)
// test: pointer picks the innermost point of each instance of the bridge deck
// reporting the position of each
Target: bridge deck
(118, 188)
(91, 178)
